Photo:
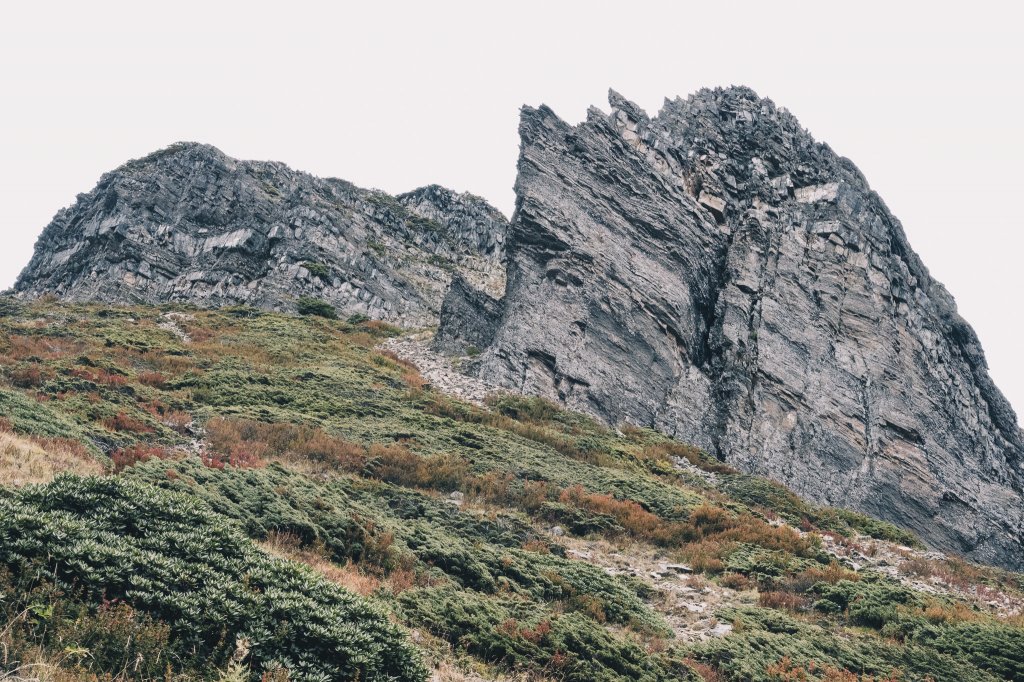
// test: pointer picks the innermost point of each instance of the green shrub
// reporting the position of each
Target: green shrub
(170, 557)
(995, 647)
(266, 500)
(317, 269)
(313, 306)
(766, 643)
(517, 635)
(866, 602)
(876, 528)
(9, 307)
(350, 520)
(762, 564)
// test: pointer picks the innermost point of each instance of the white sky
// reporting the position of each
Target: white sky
(925, 100)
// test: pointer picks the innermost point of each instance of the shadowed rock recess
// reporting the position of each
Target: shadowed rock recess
(717, 274)
(188, 223)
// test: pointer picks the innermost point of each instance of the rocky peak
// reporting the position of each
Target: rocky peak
(716, 273)
(477, 227)
(189, 223)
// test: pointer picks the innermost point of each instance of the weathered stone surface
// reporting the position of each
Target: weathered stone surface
(188, 223)
(478, 314)
(717, 274)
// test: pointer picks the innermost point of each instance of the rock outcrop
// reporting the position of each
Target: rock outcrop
(190, 224)
(715, 273)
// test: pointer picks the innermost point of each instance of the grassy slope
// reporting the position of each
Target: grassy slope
(266, 442)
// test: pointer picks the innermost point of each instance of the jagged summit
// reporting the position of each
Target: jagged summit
(715, 272)
(189, 223)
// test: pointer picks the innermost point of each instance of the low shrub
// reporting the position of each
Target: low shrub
(124, 422)
(317, 269)
(669, 449)
(872, 603)
(122, 458)
(314, 306)
(637, 521)
(767, 645)
(517, 636)
(32, 376)
(153, 379)
(171, 558)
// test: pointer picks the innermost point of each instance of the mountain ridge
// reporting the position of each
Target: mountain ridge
(189, 223)
(713, 272)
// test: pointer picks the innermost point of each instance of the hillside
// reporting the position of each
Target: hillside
(238, 494)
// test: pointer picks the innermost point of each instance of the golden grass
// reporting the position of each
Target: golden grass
(363, 578)
(287, 546)
(26, 460)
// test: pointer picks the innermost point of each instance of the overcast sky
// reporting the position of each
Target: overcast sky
(926, 101)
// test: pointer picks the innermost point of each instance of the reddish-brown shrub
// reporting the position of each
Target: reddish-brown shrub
(807, 578)
(123, 458)
(668, 450)
(537, 545)
(734, 581)
(414, 380)
(41, 347)
(239, 459)
(32, 376)
(322, 447)
(709, 520)
(706, 556)
(536, 493)
(635, 519)
(153, 379)
(397, 464)
(535, 634)
(125, 422)
(706, 672)
(287, 441)
(381, 327)
(393, 357)
(174, 419)
(167, 363)
(785, 670)
(782, 600)
(402, 579)
(100, 376)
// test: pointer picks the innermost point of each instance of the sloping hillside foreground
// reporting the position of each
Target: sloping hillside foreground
(193, 495)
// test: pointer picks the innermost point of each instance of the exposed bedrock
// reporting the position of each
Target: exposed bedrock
(716, 273)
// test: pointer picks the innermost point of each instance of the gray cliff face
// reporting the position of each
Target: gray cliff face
(190, 224)
(717, 274)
